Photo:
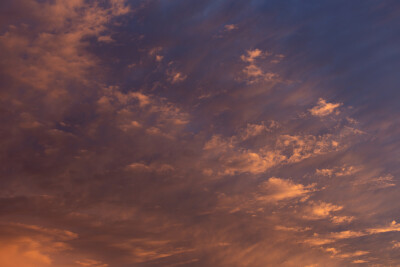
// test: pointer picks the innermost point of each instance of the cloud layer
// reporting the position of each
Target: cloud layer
(199, 133)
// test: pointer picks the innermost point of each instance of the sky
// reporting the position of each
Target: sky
(199, 133)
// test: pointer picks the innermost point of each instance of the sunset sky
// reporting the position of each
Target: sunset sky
(204, 133)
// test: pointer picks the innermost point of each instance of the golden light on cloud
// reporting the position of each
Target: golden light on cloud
(199, 133)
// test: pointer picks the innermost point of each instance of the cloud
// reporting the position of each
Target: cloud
(291, 229)
(175, 76)
(277, 189)
(342, 219)
(145, 250)
(230, 27)
(338, 171)
(393, 227)
(346, 170)
(320, 210)
(235, 160)
(153, 167)
(339, 254)
(272, 193)
(138, 166)
(236, 153)
(28, 121)
(287, 149)
(318, 240)
(324, 108)
(91, 263)
(396, 244)
(359, 261)
(149, 134)
(353, 254)
(143, 99)
(253, 73)
(252, 55)
(133, 110)
(31, 245)
(324, 172)
(381, 182)
(247, 161)
(105, 39)
(23, 252)
(253, 129)
(303, 147)
(155, 52)
(346, 234)
(218, 143)
(53, 53)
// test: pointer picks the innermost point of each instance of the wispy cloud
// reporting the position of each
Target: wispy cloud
(324, 108)
(169, 133)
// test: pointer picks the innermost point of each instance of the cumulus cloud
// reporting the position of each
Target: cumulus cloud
(252, 71)
(251, 55)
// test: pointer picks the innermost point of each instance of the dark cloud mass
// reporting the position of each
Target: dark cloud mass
(199, 133)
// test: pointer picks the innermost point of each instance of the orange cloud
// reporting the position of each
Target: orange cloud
(324, 108)
(276, 189)
(31, 245)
